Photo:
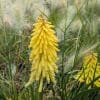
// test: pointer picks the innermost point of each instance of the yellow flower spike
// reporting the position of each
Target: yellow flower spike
(90, 60)
(90, 70)
(43, 55)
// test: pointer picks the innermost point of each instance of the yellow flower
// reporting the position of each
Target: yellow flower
(90, 70)
(43, 55)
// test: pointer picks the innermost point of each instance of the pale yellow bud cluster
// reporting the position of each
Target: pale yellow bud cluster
(90, 71)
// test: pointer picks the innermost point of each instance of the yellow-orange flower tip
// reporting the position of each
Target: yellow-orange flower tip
(43, 55)
(90, 70)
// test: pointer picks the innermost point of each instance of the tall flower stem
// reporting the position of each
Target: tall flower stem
(43, 55)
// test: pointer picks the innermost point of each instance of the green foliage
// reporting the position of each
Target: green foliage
(77, 28)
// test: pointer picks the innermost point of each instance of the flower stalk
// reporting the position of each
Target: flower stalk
(43, 55)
